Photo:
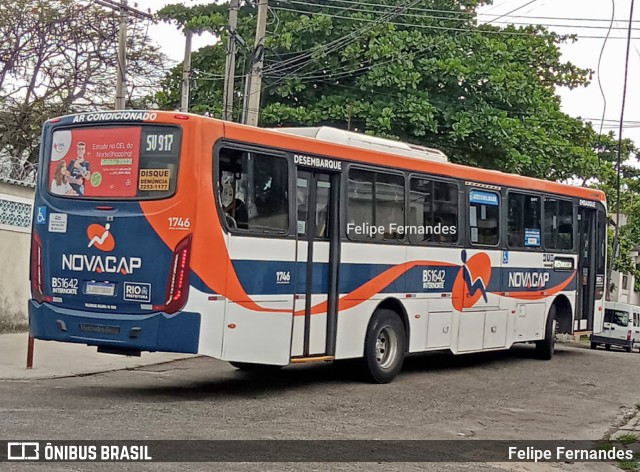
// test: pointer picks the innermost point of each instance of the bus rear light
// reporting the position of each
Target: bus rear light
(629, 335)
(178, 283)
(36, 268)
(181, 117)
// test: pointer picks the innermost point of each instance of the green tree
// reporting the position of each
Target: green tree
(431, 75)
(629, 196)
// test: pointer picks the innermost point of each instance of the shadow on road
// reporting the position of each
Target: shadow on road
(217, 382)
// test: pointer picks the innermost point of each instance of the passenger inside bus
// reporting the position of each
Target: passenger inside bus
(235, 210)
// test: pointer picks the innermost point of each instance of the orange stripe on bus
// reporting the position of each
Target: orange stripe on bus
(365, 291)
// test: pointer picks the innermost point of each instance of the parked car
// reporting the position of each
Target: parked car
(620, 327)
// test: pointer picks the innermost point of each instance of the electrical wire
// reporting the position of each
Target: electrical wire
(598, 68)
(442, 28)
(450, 12)
(512, 11)
(459, 18)
(308, 52)
(337, 44)
(619, 163)
(328, 48)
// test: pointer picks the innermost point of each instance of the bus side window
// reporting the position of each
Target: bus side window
(433, 211)
(523, 225)
(484, 217)
(253, 191)
(375, 201)
(558, 224)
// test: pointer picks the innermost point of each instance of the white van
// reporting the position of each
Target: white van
(621, 327)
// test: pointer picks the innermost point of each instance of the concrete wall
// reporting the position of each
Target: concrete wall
(16, 207)
(628, 294)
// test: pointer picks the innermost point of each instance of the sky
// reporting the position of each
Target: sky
(572, 19)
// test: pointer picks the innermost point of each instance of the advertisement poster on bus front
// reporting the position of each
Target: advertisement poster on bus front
(95, 162)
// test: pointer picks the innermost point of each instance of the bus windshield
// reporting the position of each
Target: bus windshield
(114, 162)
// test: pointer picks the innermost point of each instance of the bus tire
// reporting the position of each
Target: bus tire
(629, 348)
(546, 346)
(384, 346)
(258, 368)
(607, 347)
(594, 345)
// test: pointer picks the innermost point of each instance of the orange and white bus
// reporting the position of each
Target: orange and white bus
(163, 231)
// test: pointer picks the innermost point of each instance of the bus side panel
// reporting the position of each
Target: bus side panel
(430, 307)
(527, 317)
(211, 307)
(531, 286)
(353, 321)
(258, 325)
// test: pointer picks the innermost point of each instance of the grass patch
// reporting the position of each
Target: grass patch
(633, 465)
(12, 320)
(12, 326)
(621, 442)
(627, 438)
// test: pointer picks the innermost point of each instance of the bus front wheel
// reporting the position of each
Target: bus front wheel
(546, 346)
(384, 347)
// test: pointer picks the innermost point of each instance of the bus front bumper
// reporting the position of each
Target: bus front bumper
(152, 332)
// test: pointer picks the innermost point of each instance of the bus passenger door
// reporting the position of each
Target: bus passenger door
(315, 309)
(482, 324)
(586, 276)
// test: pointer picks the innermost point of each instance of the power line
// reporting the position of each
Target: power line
(441, 28)
(459, 14)
(604, 97)
(619, 166)
(283, 67)
(340, 41)
(432, 17)
(513, 11)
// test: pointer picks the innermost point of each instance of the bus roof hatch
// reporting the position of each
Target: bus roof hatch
(363, 141)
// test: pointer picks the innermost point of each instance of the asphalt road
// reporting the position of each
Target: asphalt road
(580, 394)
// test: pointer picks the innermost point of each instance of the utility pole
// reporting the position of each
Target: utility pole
(186, 72)
(121, 67)
(254, 81)
(229, 74)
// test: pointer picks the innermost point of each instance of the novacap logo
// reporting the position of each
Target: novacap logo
(472, 280)
(100, 237)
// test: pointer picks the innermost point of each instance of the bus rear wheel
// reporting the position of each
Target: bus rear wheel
(384, 347)
(546, 346)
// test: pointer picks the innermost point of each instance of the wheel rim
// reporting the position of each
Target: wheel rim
(386, 347)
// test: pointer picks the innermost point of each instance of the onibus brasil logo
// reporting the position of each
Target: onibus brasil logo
(100, 238)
